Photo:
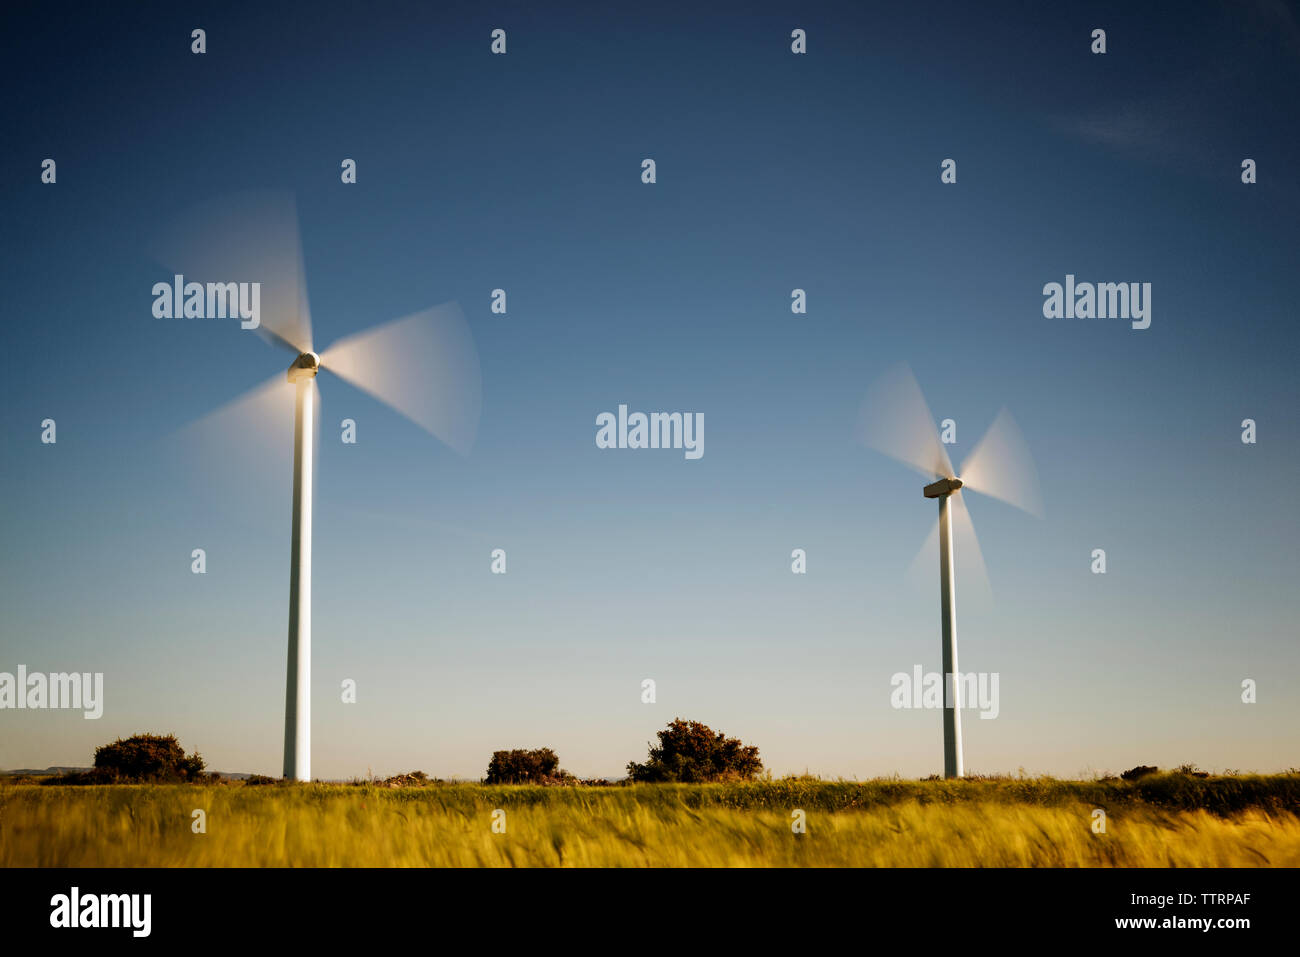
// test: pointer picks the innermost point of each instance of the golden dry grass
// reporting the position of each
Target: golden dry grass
(655, 826)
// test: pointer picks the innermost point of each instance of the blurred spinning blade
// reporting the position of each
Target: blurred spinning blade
(973, 589)
(424, 365)
(241, 453)
(1001, 467)
(246, 237)
(896, 420)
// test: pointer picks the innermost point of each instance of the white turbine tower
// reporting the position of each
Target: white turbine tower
(896, 420)
(424, 366)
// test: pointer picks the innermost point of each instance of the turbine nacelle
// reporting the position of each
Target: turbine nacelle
(941, 488)
(304, 367)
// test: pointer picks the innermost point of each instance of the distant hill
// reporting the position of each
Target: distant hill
(59, 770)
(233, 775)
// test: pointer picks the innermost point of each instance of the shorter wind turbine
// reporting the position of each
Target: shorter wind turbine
(896, 420)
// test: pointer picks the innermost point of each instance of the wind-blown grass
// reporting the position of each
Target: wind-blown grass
(1163, 821)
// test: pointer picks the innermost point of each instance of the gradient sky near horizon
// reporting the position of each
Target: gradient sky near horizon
(775, 171)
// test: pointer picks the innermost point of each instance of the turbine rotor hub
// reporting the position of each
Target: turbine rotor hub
(304, 367)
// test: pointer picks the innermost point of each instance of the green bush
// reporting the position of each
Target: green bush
(541, 766)
(147, 757)
(412, 779)
(691, 752)
(1141, 771)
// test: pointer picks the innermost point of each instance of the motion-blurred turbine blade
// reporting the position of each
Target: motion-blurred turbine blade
(896, 420)
(242, 452)
(972, 589)
(425, 366)
(971, 572)
(248, 237)
(316, 419)
(925, 564)
(1000, 466)
(275, 339)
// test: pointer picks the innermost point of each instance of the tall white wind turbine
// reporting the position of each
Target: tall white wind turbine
(424, 366)
(896, 420)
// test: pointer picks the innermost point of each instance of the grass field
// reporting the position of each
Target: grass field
(1167, 820)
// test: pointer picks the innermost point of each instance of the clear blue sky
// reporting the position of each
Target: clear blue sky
(775, 171)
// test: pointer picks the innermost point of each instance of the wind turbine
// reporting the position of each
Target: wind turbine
(424, 366)
(896, 420)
